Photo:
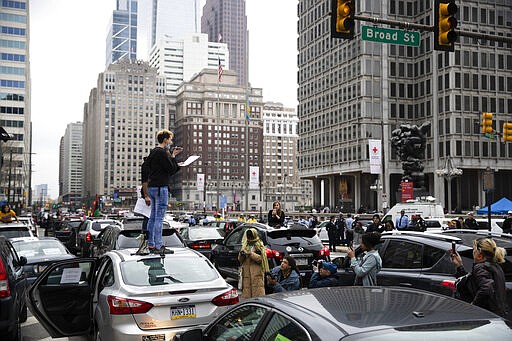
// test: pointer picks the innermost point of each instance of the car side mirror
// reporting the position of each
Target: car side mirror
(22, 261)
(195, 334)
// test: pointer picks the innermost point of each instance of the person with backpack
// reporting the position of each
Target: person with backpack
(367, 267)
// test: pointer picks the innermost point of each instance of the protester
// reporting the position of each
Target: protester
(484, 286)
(367, 267)
(324, 276)
(276, 215)
(470, 222)
(284, 277)
(358, 231)
(460, 224)
(254, 264)
(402, 222)
(507, 223)
(388, 226)
(162, 165)
(6, 214)
(340, 230)
(349, 230)
(252, 219)
(331, 233)
(375, 225)
(313, 222)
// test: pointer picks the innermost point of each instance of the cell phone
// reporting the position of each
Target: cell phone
(453, 248)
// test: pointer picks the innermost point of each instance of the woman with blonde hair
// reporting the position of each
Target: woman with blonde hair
(484, 286)
(254, 264)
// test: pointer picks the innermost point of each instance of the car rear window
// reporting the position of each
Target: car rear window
(97, 226)
(15, 232)
(172, 269)
(286, 236)
(206, 233)
(133, 224)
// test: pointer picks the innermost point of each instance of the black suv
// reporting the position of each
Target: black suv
(302, 244)
(422, 261)
(13, 284)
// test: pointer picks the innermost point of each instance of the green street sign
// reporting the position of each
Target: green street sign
(391, 36)
(490, 136)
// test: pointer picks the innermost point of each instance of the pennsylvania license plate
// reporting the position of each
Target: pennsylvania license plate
(183, 312)
(301, 261)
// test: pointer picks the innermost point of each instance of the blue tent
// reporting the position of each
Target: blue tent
(501, 206)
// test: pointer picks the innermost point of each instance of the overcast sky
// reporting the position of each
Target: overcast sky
(67, 52)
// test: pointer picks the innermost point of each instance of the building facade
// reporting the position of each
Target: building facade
(122, 34)
(72, 176)
(353, 90)
(227, 19)
(124, 113)
(15, 111)
(211, 122)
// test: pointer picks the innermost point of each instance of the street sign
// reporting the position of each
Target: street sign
(391, 36)
(490, 136)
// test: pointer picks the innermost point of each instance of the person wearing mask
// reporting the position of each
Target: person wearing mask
(331, 233)
(507, 223)
(6, 214)
(367, 267)
(470, 222)
(324, 275)
(484, 286)
(162, 165)
(276, 215)
(284, 277)
(253, 263)
(375, 225)
(402, 222)
(349, 230)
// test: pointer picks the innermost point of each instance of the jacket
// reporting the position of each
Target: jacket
(318, 281)
(277, 221)
(486, 285)
(253, 280)
(290, 283)
(161, 168)
(367, 267)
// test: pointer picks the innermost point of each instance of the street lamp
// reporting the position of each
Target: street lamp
(449, 171)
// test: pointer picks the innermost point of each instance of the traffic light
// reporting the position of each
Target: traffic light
(486, 122)
(342, 18)
(444, 25)
(507, 132)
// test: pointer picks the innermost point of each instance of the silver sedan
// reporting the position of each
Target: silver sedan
(124, 296)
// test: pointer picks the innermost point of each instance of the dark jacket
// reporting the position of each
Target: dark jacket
(507, 225)
(161, 168)
(471, 223)
(144, 174)
(275, 221)
(318, 281)
(372, 227)
(331, 229)
(484, 286)
(292, 282)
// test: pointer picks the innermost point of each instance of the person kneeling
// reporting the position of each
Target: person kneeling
(284, 277)
(325, 277)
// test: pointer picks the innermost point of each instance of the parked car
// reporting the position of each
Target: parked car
(116, 237)
(304, 245)
(421, 260)
(66, 232)
(88, 230)
(40, 252)
(27, 220)
(13, 284)
(202, 239)
(15, 230)
(226, 225)
(353, 313)
(124, 296)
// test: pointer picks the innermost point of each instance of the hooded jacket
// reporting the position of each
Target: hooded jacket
(367, 268)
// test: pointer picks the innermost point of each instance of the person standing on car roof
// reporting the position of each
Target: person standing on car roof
(254, 264)
(402, 222)
(470, 222)
(484, 286)
(507, 223)
(276, 215)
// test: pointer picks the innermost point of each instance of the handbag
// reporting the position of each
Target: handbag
(240, 278)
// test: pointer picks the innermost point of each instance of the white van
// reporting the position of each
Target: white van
(428, 209)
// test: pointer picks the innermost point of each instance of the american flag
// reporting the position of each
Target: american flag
(220, 71)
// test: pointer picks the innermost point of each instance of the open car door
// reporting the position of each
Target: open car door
(61, 298)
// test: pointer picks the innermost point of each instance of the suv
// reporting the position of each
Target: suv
(302, 244)
(421, 260)
(13, 284)
(15, 230)
(88, 230)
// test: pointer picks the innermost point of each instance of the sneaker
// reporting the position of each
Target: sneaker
(143, 248)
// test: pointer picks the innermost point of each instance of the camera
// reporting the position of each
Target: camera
(242, 253)
(454, 252)
(314, 263)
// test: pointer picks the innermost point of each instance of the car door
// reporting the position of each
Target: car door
(61, 298)
(226, 254)
(401, 264)
(18, 276)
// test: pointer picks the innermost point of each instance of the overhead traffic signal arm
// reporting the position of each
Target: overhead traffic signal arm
(444, 25)
(342, 18)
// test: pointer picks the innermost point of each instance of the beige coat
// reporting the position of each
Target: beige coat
(253, 283)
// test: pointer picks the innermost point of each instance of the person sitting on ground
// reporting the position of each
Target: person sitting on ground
(284, 277)
(325, 276)
(6, 214)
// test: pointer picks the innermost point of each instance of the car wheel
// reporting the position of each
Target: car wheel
(23, 313)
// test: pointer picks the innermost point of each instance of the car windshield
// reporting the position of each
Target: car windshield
(15, 232)
(39, 248)
(172, 269)
(206, 233)
(98, 226)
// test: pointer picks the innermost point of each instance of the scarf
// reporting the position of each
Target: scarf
(258, 246)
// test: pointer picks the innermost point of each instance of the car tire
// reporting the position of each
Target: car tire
(23, 314)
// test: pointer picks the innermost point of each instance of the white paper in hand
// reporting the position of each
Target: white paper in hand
(188, 161)
(142, 208)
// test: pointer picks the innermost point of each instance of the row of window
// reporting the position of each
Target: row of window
(13, 17)
(4, 96)
(7, 83)
(12, 70)
(12, 44)
(13, 30)
(11, 123)
(13, 57)
(14, 4)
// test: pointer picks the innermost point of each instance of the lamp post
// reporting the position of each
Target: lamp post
(449, 171)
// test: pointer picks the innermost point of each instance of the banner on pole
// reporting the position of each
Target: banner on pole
(254, 177)
(200, 182)
(374, 147)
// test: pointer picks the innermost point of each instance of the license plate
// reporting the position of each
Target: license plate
(183, 312)
(301, 261)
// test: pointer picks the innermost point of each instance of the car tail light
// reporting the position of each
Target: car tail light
(228, 298)
(88, 237)
(5, 291)
(201, 245)
(122, 306)
(324, 252)
(273, 253)
(450, 284)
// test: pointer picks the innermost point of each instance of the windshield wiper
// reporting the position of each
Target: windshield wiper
(169, 277)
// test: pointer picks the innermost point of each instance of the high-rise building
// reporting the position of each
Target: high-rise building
(15, 111)
(40, 194)
(280, 177)
(353, 90)
(61, 167)
(178, 60)
(165, 19)
(226, 19)
(122, 34)
(227, 148)
(124, 113)
(72, 177)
